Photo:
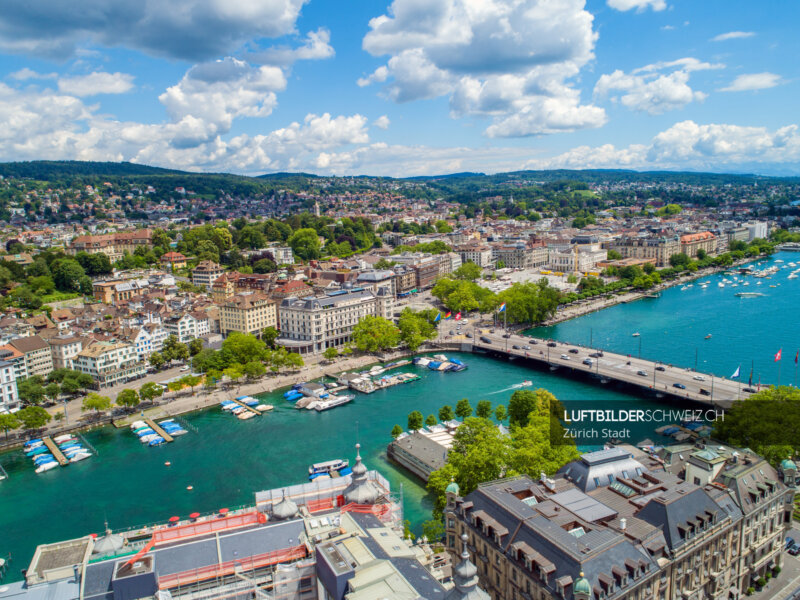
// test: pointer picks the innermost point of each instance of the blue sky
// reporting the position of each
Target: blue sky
(402, 88)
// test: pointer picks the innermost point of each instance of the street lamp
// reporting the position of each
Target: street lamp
(640, 346)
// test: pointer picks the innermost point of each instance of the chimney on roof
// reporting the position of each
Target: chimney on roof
(623, 523)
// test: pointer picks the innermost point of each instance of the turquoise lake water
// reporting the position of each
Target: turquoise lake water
(745, 332)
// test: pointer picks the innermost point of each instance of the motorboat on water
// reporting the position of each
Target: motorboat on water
(264, 407)
(79, 457)
(637, 334)
(63, 438)
(328, 466)
(246, 415)
(138, 424)
(46, 467)
(332, 402)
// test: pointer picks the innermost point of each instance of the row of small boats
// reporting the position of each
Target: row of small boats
(243, 412)
(43, 458)
(147, 435)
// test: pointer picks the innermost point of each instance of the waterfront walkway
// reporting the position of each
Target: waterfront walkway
(650, 376)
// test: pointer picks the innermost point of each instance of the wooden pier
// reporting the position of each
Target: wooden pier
(55, 451)
(250, 408)
(157, 428)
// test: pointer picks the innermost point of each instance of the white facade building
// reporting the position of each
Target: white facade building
(110, 363)
(310, 325)
(9, 399)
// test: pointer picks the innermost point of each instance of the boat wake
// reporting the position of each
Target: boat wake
(515, 386)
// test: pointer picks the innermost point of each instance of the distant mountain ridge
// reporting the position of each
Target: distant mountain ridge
(44, 169)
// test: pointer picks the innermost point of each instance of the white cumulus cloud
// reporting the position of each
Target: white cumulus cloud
(95, 83)
(382, 122)
(651, 89)
(639, 5)
(509, 60)
(753, 81)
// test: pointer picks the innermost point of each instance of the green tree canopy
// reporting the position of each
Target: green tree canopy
(373, 334)
(483, 409)
(96, 402)
(415, 420)
(9, 422)
(305, 244)
(415, 329)
(430, 420)
(446, 413)
(500, 413)
(33, 417)
(396, 430)
(150, 391)
(463, 408)
(127, 398)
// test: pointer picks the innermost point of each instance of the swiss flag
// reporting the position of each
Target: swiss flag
(778, 355)
(458, 316)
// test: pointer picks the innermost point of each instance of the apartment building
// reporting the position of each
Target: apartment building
(147, 339)
(247, 312)
(114, 245)
(520, 255)
(110, 363)
(283, 255)
(114, 292)
(481, 255)
(619, 524)
(173, 260)
(580, 258)
(691, 243)
(658, 247)
(206, 273)
(64, 350)
(310, 325)
(37, 356)
(9, 399)
(187, 326)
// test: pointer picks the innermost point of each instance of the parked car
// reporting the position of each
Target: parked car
(660, 368)
(469, 335)
(565, 357)
(749, 390)
(451, 332)
(185, 368)
(680, 386)
(795, 549)
(789, 543)
(642, 372)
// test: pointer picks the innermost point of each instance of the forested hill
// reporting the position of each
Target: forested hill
(51, 169)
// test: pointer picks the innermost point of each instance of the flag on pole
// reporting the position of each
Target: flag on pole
(796, 356)
(502, 307)
(750, 381)
(448, 315)
(438, 317)
(778, 355)
(458, 317)
(736, 373)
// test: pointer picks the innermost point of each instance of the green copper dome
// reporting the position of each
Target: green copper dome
(452, 488)
(582, 586)
(788, 465)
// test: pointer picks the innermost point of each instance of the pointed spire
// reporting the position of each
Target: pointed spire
(361, 490)
(465, 578)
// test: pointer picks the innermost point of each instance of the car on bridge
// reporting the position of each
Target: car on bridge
(552, 344)
(515, 347)
(485, 340)
(565, 357)
(573, 350)
(749, 390)
(660, 368)
(699, 378)
(680, 386)
(642, 372)
(704, 392)
(588, 361)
